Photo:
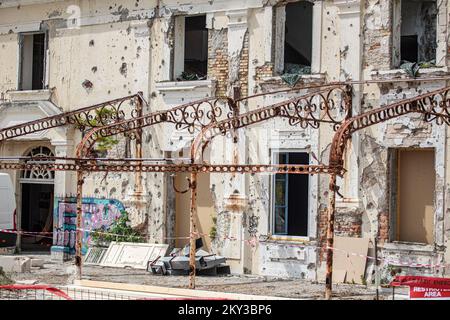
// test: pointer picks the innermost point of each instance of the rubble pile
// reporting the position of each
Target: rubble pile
(177, 263)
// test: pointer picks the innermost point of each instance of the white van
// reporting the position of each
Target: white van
(7, 212)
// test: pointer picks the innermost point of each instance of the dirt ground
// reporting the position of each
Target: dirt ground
(58, 274)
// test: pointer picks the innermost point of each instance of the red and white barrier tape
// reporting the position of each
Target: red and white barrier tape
(28, 234)
(23, 232)
(109, 233)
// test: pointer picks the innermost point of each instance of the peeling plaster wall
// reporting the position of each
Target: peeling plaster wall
(8, 52)
(406, 131)
(402, 132)
(98, 51)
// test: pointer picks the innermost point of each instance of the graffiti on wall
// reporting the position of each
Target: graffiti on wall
(97, 214)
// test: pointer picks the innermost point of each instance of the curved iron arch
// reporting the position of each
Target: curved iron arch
(434, 105)
(88, 117)
(185, 116)
(299, 110)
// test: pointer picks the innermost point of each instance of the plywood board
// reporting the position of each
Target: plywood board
(134, 255)
(339, 276)
(417, 179)
(348, 263)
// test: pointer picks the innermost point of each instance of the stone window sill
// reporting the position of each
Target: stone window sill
(401, 74)
(166, 86)
(29, 95)
(296, 239)
(306, 77)
(408, 246)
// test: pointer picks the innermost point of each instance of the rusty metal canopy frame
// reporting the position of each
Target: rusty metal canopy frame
(434, 106)
(89, 117)
(306, 110)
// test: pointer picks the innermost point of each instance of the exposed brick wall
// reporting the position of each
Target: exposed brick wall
(261, 72)
(243, 67)
(218, 59)
(377, 31)
(348, 223)
(383, 227)
(322, 233)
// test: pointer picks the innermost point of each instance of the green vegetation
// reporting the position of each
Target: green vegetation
(120, 230)
(213, 231)
(102, 116)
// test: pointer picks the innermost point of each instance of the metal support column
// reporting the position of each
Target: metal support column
(192, 229)
(138, 177)
(79, 232)
(330, 235)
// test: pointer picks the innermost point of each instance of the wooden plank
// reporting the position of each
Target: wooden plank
(339, 276)
(348, 262)
(172, 291)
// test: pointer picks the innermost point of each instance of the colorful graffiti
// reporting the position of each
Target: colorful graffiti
(97, 214)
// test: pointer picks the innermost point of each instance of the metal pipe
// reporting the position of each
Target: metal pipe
(377, 279)
(192, 229)
(79, 235)
(330, 236)
(138, 144)
(89, 159)
(206, 168)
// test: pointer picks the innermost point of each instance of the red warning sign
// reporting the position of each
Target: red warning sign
(421, 288)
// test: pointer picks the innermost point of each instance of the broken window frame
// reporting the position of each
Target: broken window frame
(441, 44)
(179, 45)
(279, 16)
(45, 75)
(274, 159)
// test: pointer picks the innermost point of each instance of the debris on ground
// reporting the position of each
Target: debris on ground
(15, 263)
(125, 254)
(4, 279)
(27, 282)
(177, 263)
(63, 273)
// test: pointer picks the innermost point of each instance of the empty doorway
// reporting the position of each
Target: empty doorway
(36, 214)
(206, 214)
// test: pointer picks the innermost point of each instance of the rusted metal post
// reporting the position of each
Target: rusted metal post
(377, 278)
(236, 111)
(330, 236)
(349, 101)
(192, 229)
(79, 232)
(236, 96)
(138, 176)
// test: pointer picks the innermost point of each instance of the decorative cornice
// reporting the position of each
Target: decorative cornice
(348, 6)
(237, 18)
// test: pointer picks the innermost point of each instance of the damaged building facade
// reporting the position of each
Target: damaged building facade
(58, 56)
